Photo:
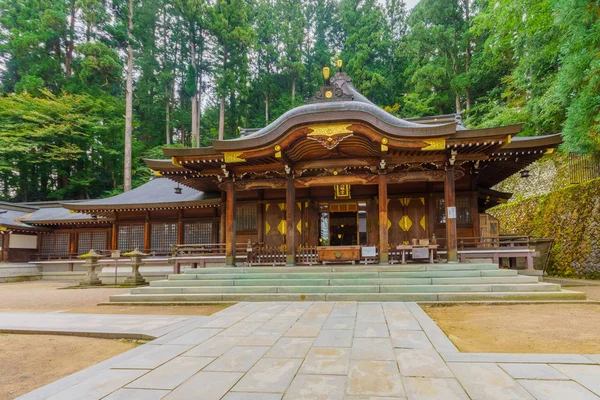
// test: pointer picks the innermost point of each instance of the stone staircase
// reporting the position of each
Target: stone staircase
(411, 282)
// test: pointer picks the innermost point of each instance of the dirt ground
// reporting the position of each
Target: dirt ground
(22, 355)
(593, 292)
(46, 296)
(522, 328)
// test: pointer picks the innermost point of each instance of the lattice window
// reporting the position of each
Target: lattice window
(463, 210)
(197, 232)
(130, 237)
(245, 218)
(55, 244)
(440, 211)
(163, 235)
(91, 240)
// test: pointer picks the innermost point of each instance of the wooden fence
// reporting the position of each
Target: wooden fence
(583, 168)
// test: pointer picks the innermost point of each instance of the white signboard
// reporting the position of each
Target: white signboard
(451, 212)
(369, 251)
(22, 241)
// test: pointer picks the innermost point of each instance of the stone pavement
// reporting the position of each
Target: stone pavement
(96, 325)
(318, 351)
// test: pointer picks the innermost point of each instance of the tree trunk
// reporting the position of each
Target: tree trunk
(267, 108)
(128, 103)
(468, 51)
(222, 119)
(71, 45)
(167, 114)
(222, 103)
(457, 98)
(199, 107)
(293, 90)
(195, 94)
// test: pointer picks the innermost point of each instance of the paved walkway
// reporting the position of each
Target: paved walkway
(96, 325)
(318, 351)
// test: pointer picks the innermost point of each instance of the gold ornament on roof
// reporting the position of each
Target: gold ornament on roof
(434, 144)
(233, 157)
(329, 135)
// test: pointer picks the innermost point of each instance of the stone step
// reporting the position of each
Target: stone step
(345, 275)
(527, 287)
(346, 282)
(348, 268)
(434, 297)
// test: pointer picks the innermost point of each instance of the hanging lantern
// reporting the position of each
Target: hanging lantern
(178, 189)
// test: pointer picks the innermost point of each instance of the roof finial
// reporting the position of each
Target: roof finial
(326, 74)
(339, 65)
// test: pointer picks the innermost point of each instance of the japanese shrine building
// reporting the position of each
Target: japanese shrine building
(342, 171)
(336, 171)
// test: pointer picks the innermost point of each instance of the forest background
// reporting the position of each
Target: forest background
(63, 74)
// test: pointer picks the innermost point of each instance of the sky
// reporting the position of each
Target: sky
(411, 3)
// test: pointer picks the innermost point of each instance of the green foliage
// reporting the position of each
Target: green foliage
(503, 61)
(65, 142)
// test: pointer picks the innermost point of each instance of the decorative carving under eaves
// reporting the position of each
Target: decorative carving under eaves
(329, 93)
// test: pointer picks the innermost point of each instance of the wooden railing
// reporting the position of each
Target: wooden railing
(103, 252)
(207, 249)
(261, 254)
(498, 242)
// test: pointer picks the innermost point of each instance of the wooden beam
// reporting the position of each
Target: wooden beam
(290, 217)
(383, 219)
(230, 225)
(450, 203)
(337, 163)
(359, 179)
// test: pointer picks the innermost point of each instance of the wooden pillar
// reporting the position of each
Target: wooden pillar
(73, 241)
(222, 212)
(260, 223)
(180, 232)
(450, 203)
(230, 224)
(4, 253)
(290, 217)
(431, 217)
(113, 237)
(475, 215)
(383, 219)
(147, 232)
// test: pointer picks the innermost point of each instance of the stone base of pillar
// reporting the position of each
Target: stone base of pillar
(290, 260)
(91, 278)
(135, 279)
(230, 261)
(384, 259)
(452, 256)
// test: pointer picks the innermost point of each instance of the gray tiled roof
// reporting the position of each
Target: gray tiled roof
(48, 214)
(158, 191)
(12, 219)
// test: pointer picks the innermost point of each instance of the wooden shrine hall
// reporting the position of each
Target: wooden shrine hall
(344, 177)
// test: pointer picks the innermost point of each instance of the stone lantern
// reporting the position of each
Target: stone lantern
(136, 261)
(91, 262)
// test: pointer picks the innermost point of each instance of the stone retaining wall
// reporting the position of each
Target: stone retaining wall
(570, 215)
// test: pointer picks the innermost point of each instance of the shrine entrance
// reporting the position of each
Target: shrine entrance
(343, 224)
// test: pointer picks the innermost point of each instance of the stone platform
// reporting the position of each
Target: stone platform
(323, 350)
(409, 282)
